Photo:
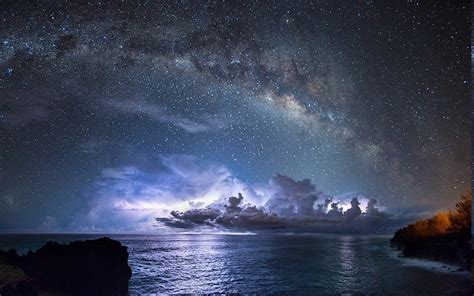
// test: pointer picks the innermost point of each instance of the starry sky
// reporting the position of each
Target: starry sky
(112, 114)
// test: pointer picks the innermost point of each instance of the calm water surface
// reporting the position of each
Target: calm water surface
(310, 264)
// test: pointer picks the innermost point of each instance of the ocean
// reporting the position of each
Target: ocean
(302, 264)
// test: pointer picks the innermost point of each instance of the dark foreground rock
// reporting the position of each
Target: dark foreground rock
(91, 267)
(452, 247)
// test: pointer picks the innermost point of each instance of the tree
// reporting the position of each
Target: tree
(461, 218)
(457, 220)
(439, 224)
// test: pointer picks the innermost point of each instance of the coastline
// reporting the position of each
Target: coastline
(80, 267)
(452, 248)
(428, 264)
(148, 257)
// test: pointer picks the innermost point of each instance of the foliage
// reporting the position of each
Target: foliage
(442, 222)
(461, 218)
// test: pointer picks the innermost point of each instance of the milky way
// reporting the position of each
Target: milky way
(128, 108)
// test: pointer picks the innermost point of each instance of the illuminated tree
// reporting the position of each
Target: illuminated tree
(440, 223)
(461, 218)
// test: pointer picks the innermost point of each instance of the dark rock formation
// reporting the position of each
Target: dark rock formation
(451, 247)
(444, 237)
(91, 267)
(11, 257)
(23, 288)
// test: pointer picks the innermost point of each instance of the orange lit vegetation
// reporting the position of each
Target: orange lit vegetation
(458, 220)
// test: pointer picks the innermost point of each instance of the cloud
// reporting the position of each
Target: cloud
(372, 211)
(50, 224)
(8, 201)
(290, 205)
(244, 217)
(181, 192)
(291, 197)
(234, 202)
(335, 210)
(131, 197)
(160, 113)
(354, 211)
(191, 218)
(232, 216)
(322, 208)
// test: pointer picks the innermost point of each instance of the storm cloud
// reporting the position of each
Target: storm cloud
(131, 197)
(292, 205)
(184, 193)
(292, 197)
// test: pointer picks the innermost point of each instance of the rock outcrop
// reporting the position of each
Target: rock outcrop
(452, 247)
(444, 237)
(91, 267)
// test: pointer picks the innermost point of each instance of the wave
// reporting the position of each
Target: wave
(431, 265)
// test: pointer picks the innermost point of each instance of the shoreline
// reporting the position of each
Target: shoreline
(427, 264)
(80, 267)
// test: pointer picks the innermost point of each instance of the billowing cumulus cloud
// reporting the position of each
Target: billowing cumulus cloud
(354, 211)
(235, 215)
(184, 193)
(285, 203)
(291, 197)
(130, 197)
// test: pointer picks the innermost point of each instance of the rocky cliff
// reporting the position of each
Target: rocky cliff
(91, 267)
(452, 247)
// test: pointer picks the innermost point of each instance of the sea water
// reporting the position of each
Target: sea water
(304, 264)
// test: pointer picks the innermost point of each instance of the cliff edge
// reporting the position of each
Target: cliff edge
(91, 267)
(444, 237)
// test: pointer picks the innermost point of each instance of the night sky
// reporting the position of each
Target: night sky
(113, 115)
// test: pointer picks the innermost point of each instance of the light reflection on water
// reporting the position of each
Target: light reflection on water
(269, 264)
(279, 264)
(346, 257)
